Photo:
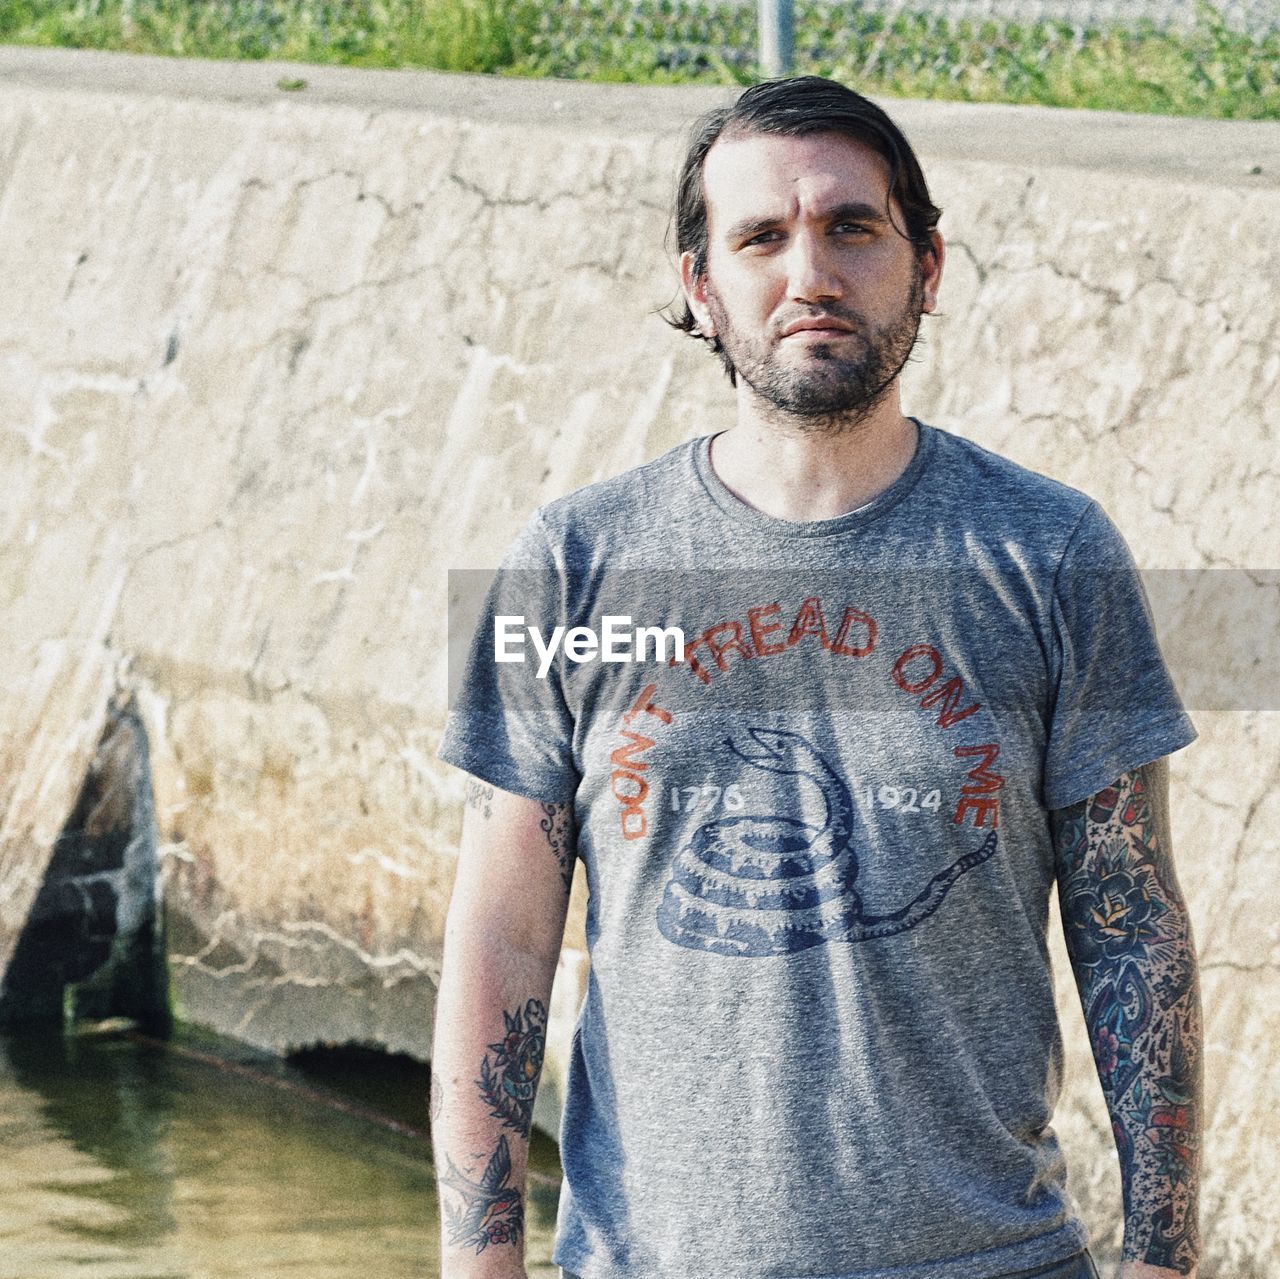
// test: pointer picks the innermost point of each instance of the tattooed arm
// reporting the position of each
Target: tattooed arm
(1132, 951)
(502, 939)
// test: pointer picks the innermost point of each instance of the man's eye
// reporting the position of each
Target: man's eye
(857, 228)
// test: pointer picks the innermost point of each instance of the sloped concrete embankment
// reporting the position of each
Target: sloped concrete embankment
(271, 363)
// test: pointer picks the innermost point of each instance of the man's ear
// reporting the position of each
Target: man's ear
(695, 292)
(931, 272)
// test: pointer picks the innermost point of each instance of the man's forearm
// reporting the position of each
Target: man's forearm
(502, 940)
(490, 1038)
(1131, 946)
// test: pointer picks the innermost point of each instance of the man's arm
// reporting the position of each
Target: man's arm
(502, 940)
(1131, 947)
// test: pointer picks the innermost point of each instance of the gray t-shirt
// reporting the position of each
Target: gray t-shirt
(819, 1037)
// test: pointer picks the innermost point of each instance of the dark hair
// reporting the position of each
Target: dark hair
(795, 106)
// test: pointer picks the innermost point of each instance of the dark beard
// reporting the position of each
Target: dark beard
(836, 392)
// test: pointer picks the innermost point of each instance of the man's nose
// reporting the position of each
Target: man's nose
(811, 269)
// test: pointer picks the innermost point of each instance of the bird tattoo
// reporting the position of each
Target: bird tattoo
(490, 1210)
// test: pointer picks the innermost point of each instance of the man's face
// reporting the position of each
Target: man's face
(799, 229)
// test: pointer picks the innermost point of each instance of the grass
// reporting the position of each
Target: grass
(1209, 70)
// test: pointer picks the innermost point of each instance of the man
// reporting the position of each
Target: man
(919, 685)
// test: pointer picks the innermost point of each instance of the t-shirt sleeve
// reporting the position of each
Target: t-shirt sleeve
(1115, 706)
(507, 724)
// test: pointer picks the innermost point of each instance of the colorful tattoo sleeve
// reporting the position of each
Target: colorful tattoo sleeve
(484, 1206)
(1131, 947)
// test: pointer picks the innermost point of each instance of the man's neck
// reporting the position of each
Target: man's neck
(802, 476)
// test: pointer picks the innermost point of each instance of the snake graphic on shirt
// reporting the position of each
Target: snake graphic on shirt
(770, 885)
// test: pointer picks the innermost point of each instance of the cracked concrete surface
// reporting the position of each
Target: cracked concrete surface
(269, 365)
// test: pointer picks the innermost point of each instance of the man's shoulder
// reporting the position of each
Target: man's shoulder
(642, 496)
(1011, 493)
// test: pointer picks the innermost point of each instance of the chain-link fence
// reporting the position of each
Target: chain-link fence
(1010, 42)
(1176, 57)
(1253, 16)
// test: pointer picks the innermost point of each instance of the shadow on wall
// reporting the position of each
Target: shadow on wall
(93, 945)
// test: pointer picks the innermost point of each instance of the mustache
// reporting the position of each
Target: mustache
(855, 323)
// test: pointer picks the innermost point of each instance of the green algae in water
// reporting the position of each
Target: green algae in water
(126, 1160)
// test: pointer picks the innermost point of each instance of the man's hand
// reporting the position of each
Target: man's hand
(1141, 1270)
(502, 940)
(1129, 938)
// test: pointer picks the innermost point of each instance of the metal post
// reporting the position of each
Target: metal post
(777, 37)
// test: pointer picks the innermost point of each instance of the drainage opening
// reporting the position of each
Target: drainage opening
(92, 947)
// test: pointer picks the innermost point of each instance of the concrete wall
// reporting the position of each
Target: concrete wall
(271, 362)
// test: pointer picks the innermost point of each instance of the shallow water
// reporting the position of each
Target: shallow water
(121, 1159)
